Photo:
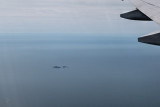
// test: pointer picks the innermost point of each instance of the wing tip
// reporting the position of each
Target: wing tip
(153, 39)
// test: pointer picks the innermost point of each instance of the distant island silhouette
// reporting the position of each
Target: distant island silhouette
(60, 67)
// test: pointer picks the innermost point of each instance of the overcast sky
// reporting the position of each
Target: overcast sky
(69, 16)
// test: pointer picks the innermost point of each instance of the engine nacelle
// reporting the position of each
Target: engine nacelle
(135, 15)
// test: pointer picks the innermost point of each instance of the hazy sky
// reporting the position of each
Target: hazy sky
(69, 16)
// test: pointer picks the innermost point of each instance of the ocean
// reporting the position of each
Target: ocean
(78, 70)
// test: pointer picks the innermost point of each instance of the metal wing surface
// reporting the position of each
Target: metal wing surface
(146, 10)
(150, 8)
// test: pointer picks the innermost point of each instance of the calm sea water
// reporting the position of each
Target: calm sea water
(100, 71)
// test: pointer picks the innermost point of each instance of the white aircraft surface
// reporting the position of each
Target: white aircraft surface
(146, 10)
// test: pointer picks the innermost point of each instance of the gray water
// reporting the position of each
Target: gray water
(102, 71)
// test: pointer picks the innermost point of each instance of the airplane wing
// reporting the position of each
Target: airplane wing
(146, 10)
(151, 8)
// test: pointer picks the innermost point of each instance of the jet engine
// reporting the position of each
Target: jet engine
(135, 15)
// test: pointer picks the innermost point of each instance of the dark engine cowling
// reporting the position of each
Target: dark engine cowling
(135, 15)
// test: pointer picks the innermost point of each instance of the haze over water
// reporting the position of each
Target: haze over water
(103, 71)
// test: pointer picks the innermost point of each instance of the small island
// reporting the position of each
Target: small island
(60, 67)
